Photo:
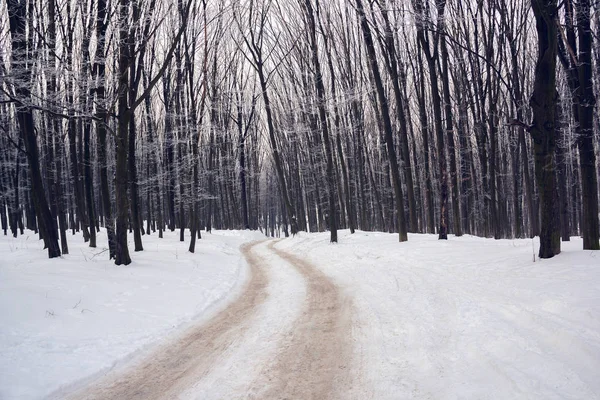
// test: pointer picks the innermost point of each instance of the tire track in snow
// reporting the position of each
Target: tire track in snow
(311, 357)
(314, 361)
(167, 371)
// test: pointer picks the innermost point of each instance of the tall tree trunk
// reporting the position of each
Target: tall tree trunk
(4, 202)
(320, 91)
(136, 217)
(121, 172)
(344, 169)
(242, 135)
(56, 146)
(456, 212)
(72, 133)
(101, 128)
(387, 123)
(89, 183)
(585, 132)
(425, 133)
(211, 148)
(543, 128)
(561, 163)
(20, 61)
(431, 58)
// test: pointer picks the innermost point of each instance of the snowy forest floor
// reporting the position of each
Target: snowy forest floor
(301, 318)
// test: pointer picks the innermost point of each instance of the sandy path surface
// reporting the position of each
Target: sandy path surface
(311, 357)
(314, 361)
(168, 370)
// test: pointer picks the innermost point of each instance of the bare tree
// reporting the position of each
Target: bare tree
(387, 123)
(543, 127)
(21, 76)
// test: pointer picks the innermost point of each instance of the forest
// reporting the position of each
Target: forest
(132, 117)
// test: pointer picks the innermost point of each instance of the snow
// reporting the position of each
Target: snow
(467, 318)
(244, 358)
(71, 318)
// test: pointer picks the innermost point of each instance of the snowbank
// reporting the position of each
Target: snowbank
(66, 319)
(467, 318)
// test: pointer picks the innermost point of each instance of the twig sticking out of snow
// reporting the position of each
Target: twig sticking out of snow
(75, 306)
(97, 254)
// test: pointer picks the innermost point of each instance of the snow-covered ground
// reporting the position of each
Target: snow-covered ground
(467, 318)
(70, 318)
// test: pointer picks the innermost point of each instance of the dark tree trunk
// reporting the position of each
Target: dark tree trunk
(55, 152)
(72, 136)
(529, 190)
(563, 193)
(211, 150)
(437, 113)
(169, 156)
(121, 172)
(243, 189)
(20, 55)
(154, 184)
(586, 102)
(543, 128)
(89, 183)
(4, 202)
(320, 91)
(136, 217)
(180, 168)
(243, 134)
(425, 133)
(194, 202)
(101, 129)
(456, 214)
(387, 123)
(344, 169)
(134, 198)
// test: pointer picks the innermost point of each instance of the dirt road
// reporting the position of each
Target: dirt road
(313, 360)
(311, 355)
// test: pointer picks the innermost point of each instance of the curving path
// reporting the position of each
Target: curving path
(314, 360)
(287, 336)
